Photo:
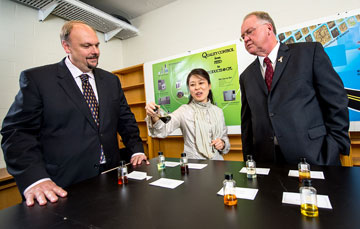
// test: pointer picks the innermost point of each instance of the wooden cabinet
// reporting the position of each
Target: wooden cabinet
(132, 82)
(9, 193)
(173, 146)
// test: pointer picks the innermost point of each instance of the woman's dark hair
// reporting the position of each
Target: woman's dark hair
(201, 72)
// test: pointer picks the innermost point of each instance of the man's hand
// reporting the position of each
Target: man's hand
(137, 160)
(42, 191)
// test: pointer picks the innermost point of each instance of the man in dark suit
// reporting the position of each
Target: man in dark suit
(51, 138)
(293, 102)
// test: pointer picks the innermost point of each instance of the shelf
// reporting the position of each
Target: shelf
(131, 69)
(236, 147)
(137, 103)
(139, 85)
(4, 175)
(355, 141)
(142, 139)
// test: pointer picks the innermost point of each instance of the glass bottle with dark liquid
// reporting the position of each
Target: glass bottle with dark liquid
(184, 164)
(229, 190)
(308, 204)
(122, 173)
(304, 169)
(163, 116)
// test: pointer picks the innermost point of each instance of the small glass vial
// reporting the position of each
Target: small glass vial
(161, 161)
(250, 167)
(163, 115)
(122, 173)
(229, 190)
(184, 164)
(304, 169)
(308, 199)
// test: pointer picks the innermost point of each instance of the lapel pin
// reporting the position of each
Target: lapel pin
(280, 59)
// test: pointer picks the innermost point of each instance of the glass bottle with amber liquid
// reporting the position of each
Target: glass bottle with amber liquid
(304, 169)
(184, 164)
(308, 204)
(161, 161)
(229, 190)
(122, 173)
(250, 167)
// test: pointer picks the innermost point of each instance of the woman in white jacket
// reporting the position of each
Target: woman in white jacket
(201, 122)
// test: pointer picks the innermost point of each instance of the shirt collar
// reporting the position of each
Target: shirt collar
(75, 71)
(272, 55)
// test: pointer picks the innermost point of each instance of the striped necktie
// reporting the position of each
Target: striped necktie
(91, 101)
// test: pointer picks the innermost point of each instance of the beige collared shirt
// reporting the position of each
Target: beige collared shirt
(183, 118)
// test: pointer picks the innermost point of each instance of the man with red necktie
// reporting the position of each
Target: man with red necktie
(293, 102)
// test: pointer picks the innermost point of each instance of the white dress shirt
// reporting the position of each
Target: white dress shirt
(272, 56)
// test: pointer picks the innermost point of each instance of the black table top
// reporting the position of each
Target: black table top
(101, 203)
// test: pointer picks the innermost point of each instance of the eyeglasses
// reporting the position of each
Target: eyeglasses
(249, 31)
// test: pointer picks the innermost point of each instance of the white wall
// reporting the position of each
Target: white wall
(193, 24)
(25, 42)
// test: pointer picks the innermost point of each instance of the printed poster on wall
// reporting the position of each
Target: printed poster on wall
(340, 37)
(169, 79)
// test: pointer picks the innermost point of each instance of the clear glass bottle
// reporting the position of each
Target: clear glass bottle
(304, 169)
(229, 190)
(184, 164)
(161, 161)
(250, 167)
(308, 204)
(122, 173)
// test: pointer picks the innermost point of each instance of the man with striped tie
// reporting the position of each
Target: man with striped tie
(62, 127)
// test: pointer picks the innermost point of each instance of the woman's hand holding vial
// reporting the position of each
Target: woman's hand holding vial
(152, 110)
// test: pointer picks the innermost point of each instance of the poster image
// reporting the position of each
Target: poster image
(169, 80)
(340, 37)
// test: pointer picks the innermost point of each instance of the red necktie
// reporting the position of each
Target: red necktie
(91, 101)
(269, 73)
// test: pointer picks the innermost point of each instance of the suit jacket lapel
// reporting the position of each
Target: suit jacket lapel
(256, 72)
(70, 87)
(282, 59)
(101, 90)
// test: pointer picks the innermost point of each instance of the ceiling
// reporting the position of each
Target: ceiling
(128, 9)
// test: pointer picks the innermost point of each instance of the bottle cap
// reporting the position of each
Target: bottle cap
(249, 157)
(122, 163)
(306, 182)
(302, 159)
(183, 155)
(228, 176)
(160, 153)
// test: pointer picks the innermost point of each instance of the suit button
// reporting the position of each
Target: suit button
(271, 114)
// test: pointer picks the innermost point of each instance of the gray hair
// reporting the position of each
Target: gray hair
(262, 16)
